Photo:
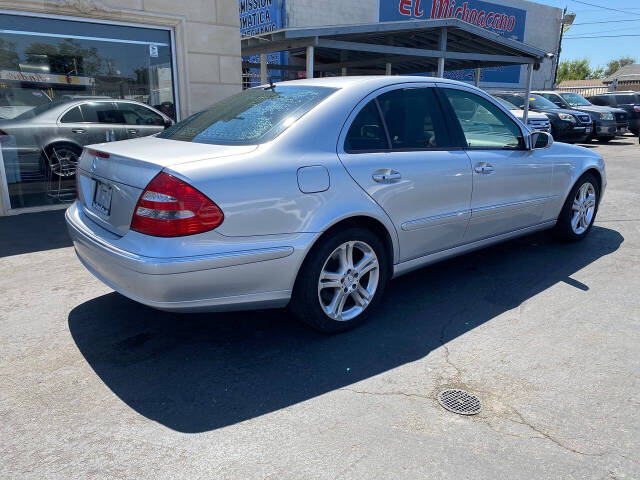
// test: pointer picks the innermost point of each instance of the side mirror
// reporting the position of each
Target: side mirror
(559, 104)
(167, 122)
(540, 140)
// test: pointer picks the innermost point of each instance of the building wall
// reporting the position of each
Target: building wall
(308, 13)
(207, 38)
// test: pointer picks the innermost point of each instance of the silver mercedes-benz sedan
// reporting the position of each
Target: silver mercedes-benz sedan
(315, 193)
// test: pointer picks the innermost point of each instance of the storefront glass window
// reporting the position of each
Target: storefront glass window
(67, 84)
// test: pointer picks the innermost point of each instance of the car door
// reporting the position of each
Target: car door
(139, 120)
(103, 122)
(511, 184)
(72, 127)
(397, 146)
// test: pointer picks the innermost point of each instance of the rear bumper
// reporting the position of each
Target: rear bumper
(260, 277)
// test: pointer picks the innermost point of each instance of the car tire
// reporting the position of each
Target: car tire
(635, 131)
(336, 277)
(579, 210)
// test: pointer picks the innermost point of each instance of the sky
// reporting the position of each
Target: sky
(614, 23)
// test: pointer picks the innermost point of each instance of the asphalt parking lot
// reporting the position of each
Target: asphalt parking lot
(546, 334)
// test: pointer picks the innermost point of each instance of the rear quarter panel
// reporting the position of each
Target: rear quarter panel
(259, 194)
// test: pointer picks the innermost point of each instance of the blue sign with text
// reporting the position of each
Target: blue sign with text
(262, 16)
(503, 20)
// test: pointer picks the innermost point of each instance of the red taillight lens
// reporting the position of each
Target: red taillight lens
(636, 108)
(96, 153)
(169, 207)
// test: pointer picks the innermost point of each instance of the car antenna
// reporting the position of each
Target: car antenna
(271, 84)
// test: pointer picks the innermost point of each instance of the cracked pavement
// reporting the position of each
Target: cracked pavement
(546, 334)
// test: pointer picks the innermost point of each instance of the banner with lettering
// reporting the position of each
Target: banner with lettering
(262, 16)
(501, 19)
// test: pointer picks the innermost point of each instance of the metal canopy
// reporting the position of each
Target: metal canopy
(409, 46)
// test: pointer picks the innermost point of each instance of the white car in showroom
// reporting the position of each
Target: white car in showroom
(315, 193)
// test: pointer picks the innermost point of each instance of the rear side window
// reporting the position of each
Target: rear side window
(134, 114)
(483, 124)
(603, 101)
(72, 116)
(254, 116)
(366, 131)
(414, 119)
(101, 112)
(626, 99)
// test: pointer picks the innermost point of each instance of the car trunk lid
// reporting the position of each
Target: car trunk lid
(112, 176)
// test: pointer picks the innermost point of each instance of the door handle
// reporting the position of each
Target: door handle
(483, 167)
(386, 175)
(78, 130)
(133, 131)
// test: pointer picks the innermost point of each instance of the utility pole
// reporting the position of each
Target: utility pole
(567, 21)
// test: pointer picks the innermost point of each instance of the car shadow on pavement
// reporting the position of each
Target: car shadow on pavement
(198, 372)
(33, 232)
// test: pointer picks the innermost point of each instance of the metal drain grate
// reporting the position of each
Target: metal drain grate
(459, 401)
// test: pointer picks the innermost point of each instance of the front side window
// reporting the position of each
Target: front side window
(251, 117)
(483, 124)
(413, 119)
(576, 100)
(366, 132)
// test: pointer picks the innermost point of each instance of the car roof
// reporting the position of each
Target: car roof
(368, 81)
(60, 106)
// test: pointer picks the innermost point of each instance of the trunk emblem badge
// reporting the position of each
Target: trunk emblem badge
(94, 165)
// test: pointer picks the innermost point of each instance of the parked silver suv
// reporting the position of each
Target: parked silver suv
(51, 136)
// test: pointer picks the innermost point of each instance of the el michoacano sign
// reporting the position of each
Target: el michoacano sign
(501, 19)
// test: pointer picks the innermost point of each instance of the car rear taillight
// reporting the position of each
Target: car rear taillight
(636, 108)
(96, 153)
(169, 207)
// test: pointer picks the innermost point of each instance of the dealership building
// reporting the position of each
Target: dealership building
(111, 58)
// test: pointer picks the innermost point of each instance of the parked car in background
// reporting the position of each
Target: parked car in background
(567, 125)
(621, 116)
(605, 126)
(315, 193)
(15, 101)
(52, 135)
(628, 101)
(538, 122)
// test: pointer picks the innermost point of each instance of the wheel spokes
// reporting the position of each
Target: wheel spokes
(348, 280)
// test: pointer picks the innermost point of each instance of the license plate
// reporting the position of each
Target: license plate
(102, 198)
(588, 130)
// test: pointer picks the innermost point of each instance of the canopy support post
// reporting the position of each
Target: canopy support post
(310, 61)
(443, 49)
(263, 69)
(525, 117)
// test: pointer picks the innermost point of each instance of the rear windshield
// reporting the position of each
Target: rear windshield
(254, 116)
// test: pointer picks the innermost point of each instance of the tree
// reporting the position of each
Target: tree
(614, 65)
(68, 57)
(578, 69)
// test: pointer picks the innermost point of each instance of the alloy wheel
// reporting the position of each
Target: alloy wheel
(348, 280)
(583, 208)
(63, 161)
